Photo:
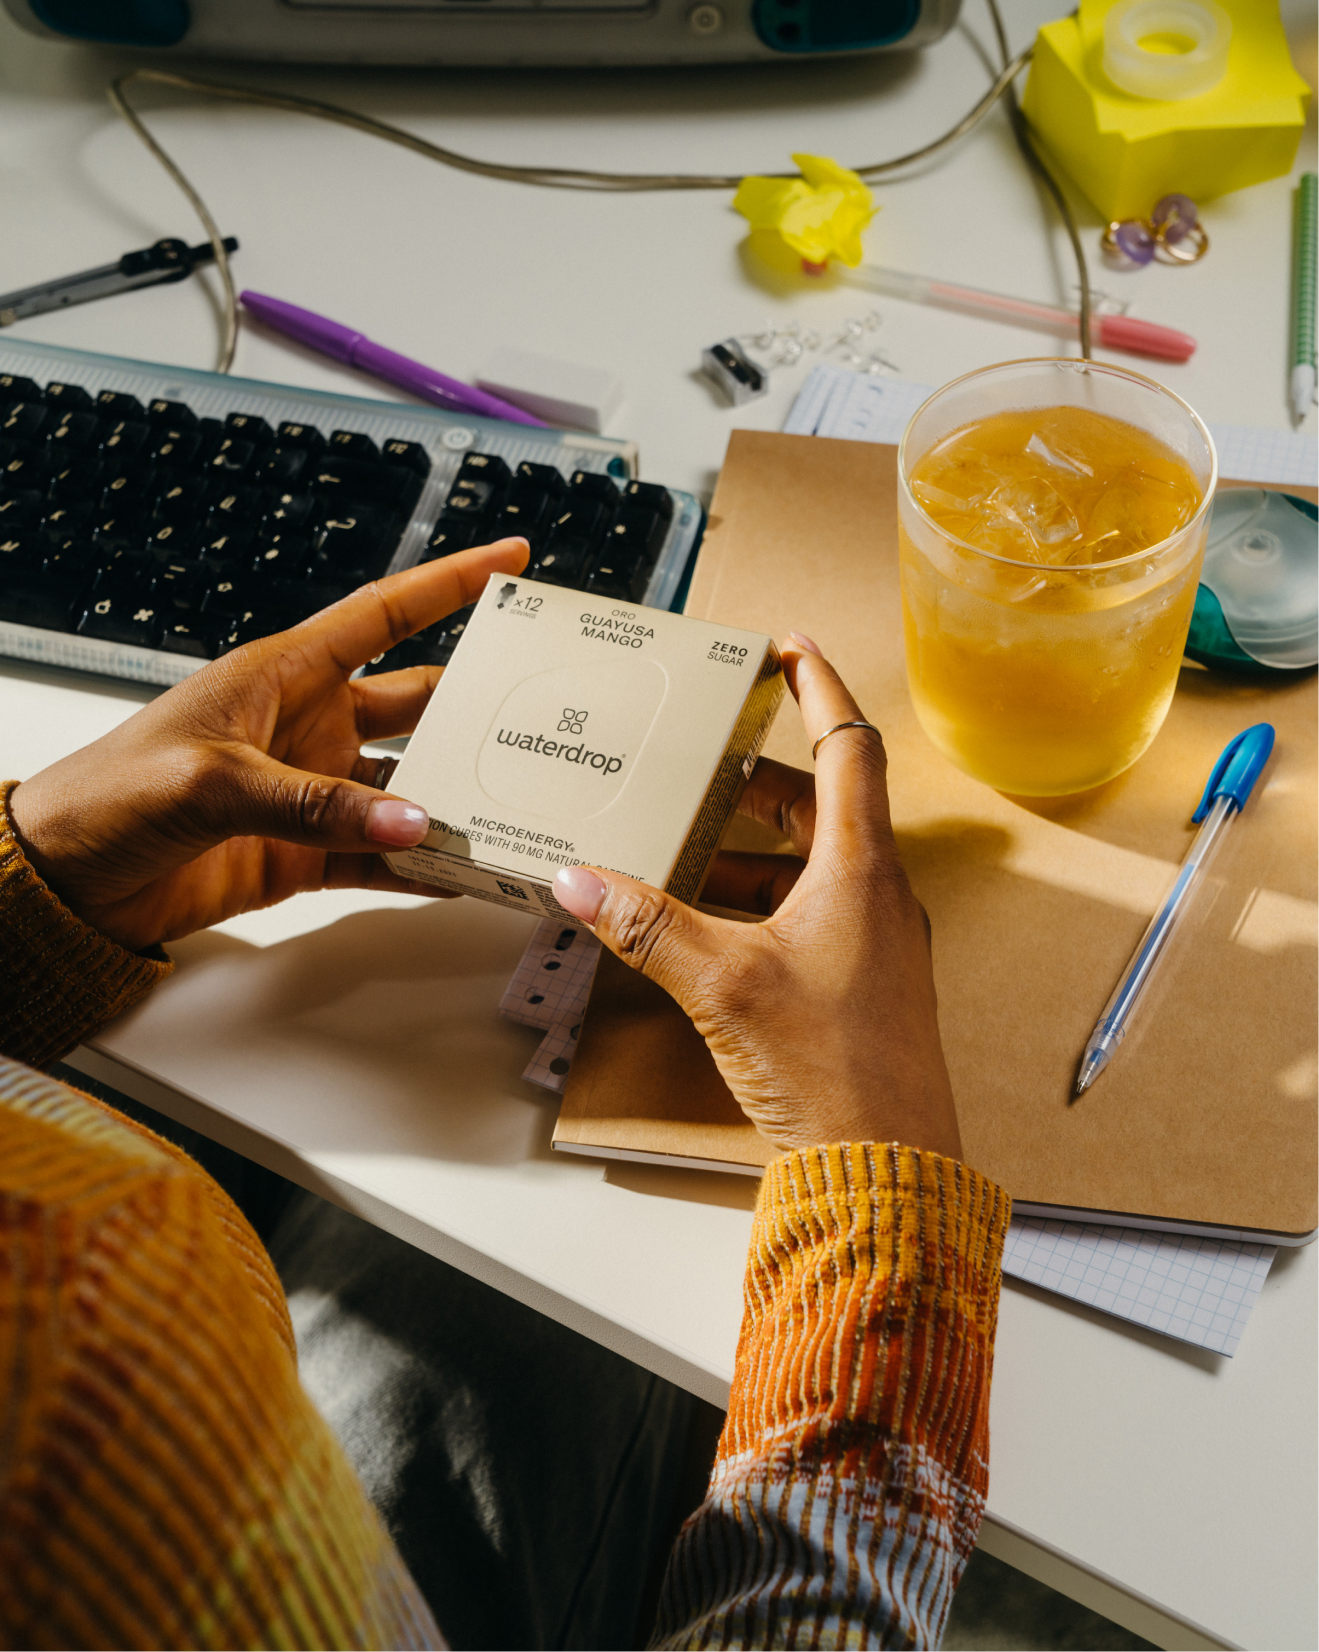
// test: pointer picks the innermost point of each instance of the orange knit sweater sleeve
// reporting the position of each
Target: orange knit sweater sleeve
(60, 979)
(851, 1475)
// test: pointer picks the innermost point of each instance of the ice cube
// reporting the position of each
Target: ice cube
(1135, 511)
(1038, 508)
(1047, 446)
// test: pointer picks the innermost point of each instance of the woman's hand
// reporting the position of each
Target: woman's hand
(246, 783)
(822, 1020)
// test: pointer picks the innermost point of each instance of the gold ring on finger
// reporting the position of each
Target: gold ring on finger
(857, 722)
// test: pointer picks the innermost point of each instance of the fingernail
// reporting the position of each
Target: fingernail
(400, 825)
(580, 891)
(803, 641)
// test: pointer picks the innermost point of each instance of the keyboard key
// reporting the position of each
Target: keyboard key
(351, 444)
(233, 507)
(126, 619)
(188, 635)
(251, 427)
(620, 572)
(304, 436)
(68, 570)
(281, 467)
(594, 484)
(122, 530)
(228, 600)
(650, 496)
(288, 511)
(448, 538)
(63, 520)
(284, 558)
(180, 584)
(173, 539)
(377, 484)
(67, 395)
(182, 501)
(26, 421)
(125, 441)
(23, 509)
(232, 457)
(19, 550)
(135, 483)
(356, 545)
(23, 468)
(584, 520)
(563, 562)
(118, 404)
(487, 468)
(15, 388)
(463, 507)
(74, 430)
(173, 415)
(547, 479)
(226, 552)
(411, 455)
(28, 598)
(174, 446)
(81, 480)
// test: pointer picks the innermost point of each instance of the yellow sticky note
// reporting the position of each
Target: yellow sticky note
(1124, 152)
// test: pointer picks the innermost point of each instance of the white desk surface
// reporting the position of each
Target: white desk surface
(352, 1042)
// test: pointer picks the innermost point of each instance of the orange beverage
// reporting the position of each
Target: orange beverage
(1051, 541)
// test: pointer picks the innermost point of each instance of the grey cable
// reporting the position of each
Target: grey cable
(545, 177)
(229, 337)
(1026, 143)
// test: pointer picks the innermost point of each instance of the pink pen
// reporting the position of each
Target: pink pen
(1113, 332)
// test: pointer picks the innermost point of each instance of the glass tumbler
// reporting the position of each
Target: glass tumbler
(1045, 677)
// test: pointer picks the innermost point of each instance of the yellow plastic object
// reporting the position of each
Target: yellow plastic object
(1124, 152)
(816, 217)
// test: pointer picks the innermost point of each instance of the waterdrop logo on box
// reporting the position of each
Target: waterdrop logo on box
(564, 742)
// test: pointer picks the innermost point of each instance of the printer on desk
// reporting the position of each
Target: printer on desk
(523, 33)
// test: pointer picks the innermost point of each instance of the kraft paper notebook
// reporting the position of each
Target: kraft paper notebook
(1206, 1119)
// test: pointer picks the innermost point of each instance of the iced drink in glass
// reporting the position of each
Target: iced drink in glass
(1052, 521)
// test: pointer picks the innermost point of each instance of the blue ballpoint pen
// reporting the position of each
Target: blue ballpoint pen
(1235, 773)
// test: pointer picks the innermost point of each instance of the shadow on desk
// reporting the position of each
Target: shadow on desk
(378, 1034)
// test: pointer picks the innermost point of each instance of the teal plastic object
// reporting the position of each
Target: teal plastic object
(117, 22)
(1257, 608)
(833, 25)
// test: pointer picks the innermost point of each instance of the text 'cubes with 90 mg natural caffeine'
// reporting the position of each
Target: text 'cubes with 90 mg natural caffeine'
(566, 731)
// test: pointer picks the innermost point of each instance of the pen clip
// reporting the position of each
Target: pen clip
(1238, 768)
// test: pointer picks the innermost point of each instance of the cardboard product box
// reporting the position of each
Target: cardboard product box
(571, 729)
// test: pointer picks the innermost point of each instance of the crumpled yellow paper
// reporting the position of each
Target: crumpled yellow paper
(818, 216)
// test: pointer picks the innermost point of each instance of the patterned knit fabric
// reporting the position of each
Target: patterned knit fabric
(851, 1475)
(59, 979)
(164, 1481)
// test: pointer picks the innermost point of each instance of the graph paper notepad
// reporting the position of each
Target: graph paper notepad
(861, 407)
(1198, 1290)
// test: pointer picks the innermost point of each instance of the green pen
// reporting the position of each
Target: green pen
(1303, 257)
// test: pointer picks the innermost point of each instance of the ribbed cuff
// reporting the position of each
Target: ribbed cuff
(60, 979)
(872, 1291)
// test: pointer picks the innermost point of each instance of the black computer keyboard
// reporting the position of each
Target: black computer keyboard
(144, 529)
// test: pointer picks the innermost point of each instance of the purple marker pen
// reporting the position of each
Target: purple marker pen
(318, 332)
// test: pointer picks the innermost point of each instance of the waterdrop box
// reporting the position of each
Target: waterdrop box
(572, 729)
